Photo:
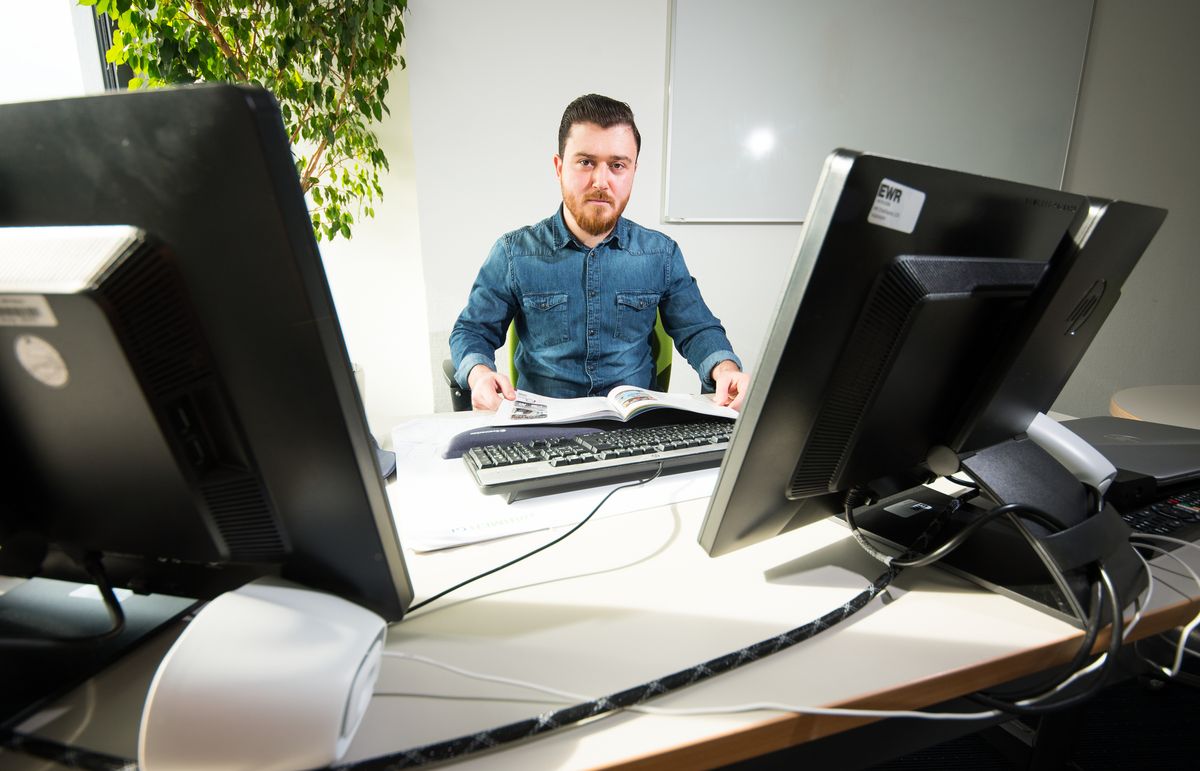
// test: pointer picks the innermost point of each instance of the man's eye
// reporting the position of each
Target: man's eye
(618, 166)
(585, 162)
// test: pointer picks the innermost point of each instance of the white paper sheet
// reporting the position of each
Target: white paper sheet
(436, 503)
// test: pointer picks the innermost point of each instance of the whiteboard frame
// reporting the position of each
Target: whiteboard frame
(669, 119)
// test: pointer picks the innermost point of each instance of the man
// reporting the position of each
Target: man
(584, 284)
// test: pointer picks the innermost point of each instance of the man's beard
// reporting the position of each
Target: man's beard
(595, 221)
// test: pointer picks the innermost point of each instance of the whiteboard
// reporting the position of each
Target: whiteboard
(761, 91)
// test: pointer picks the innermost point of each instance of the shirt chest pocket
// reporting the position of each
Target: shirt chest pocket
(545, 318)
(636, 312)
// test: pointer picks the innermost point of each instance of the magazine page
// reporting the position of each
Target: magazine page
(621, 403)
(631, 400)
(530, 409)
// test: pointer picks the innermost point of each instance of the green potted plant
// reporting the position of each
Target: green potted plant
(326, 61)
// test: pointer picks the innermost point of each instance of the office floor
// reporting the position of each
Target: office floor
(1138, 723)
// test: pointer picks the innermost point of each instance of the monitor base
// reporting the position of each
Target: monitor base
(1003, 555)
(40, 608)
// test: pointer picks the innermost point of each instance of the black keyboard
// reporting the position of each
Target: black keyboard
(1177, 515)
(556, 464)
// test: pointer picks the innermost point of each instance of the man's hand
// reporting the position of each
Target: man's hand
(732, 384)
(488, 387)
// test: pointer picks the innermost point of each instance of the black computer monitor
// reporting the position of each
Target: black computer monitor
(930, 314)
(176, 394)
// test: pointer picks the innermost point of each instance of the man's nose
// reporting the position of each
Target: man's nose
(601, 177)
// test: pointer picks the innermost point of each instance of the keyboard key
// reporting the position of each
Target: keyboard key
(1176, 516)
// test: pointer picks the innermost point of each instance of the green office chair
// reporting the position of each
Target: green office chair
(661, 351)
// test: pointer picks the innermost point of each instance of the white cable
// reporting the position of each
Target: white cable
(777, 706)
(1168, 553)
(823, 711)
(487, 678)
(1168, 539)
(1186, 633)
(1142, 602)
(688, 712)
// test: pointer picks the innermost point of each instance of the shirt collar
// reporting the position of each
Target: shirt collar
(563, 236)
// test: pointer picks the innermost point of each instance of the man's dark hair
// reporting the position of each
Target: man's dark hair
(601, 110)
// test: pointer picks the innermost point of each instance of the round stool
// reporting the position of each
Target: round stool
(1175, 405)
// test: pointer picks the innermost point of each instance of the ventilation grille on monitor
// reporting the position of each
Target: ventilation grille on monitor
(162, 339)
(243, 515)
(878, 330)
(158, 334)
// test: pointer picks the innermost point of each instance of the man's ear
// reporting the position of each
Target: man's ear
(558, 162)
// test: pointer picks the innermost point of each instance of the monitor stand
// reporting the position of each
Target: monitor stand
(999, 556)
(45, 607)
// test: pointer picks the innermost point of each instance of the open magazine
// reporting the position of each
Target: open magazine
(621, 403)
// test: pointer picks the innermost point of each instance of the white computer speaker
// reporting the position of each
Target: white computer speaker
(270, 676)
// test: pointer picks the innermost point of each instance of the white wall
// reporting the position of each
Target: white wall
(489, 84)
(1135, 138)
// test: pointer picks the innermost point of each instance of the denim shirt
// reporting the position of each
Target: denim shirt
(584, 315)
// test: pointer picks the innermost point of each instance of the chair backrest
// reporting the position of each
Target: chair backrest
(662, 350)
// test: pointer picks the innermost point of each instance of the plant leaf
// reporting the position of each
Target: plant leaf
(308, 53)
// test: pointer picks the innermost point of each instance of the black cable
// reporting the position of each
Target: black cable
(543, 547)
(453, 749)
(95, 569)
(1091, 632)
(1097, 682)
(857, 497)
(524, 729)
(1092, 622)
(959, 538)
(971, 483)
(512, 732)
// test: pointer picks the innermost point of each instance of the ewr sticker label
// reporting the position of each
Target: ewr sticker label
(896, 206)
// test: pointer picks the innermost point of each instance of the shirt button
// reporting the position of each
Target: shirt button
(592, 293)
(591, 333)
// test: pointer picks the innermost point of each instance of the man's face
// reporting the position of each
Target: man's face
(595, 172)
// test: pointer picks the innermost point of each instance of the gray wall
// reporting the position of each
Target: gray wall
(1135, 138)
(489, 82)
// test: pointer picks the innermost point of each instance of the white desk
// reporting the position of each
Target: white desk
(633, 597)
(639, 598)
